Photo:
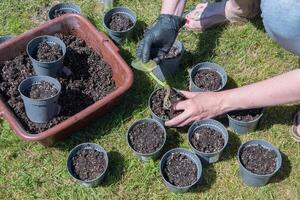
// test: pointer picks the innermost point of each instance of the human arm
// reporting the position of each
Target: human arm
(278, 90)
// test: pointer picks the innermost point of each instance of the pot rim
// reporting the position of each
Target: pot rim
(242, 122)
(53, 8)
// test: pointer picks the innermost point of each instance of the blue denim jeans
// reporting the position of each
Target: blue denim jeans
(281, 19)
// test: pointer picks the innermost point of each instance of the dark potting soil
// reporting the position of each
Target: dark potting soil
(207, 140)
(58, 13)
(208, 80)
(48, 53)
(88, 164)
(258, 159)
(120, 22)
(180, 170)
(174, 52)
(146, 137)
(90, 80)
(157, 104)
(246, 115)
(42, 90)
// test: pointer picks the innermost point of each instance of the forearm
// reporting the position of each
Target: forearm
(173, 7)
(281, 89)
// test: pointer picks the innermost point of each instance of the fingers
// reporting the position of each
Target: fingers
(182, 105)
(179, 119)
(147, 48)
(188, 94)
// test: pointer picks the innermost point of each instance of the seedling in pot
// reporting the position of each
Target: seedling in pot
(63, 8)
(161, 103)
(180, 169)
(146, 138)
(259, 160)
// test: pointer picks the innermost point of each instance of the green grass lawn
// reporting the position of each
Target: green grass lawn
(32, 171)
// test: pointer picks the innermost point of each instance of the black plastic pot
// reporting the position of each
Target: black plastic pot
(168, 67)
(211, 66)
(213, 124)
(118, 36)
(5, 38)
(73, 152)
(149, 156)
(40, 110)
(256, 180)
(65, 7)
(191, 156)
(46, 68)
(240, 127)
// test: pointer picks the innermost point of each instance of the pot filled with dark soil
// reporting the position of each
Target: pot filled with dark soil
(208, 138)
(245, 121)
(4, 38)
(146, 138)
(207, 76)
(47, 55)
(63, 8)
(259, 160)
(169, 64)
(181, 169)
(87, 164)
(161, 104)
(119, 22)
(40, 96)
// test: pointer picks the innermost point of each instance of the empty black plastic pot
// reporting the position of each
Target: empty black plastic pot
(5, 38)
(211, 66)
(89, 183)
(256, 180)
(46, 68)
(213, 124)
(147, 156)
(168, 67)
(118, 36)
(65, 8)
(191, 156)
(40, 110)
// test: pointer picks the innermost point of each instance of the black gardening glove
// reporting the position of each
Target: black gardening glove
(159, 39)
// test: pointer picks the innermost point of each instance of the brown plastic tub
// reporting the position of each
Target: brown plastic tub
(81, 27)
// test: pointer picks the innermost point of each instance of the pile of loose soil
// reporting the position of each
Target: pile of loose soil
(88, 164)
(208, 80)
(246, 115)
(157, 104)
(174, 52)
(258, 159)
(90, 81)
(58, 13)
(207, 140)
(180, 170)
(146, 137)
(42, 90)
(120, 22)
(48, 53)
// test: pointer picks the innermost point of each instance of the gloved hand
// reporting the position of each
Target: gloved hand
(159, 39)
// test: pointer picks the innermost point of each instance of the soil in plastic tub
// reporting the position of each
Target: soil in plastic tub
(246, 115)
(120, 22)
(165, 112)
(146, 137)
(86, 79)
(207, 140)
(42, 90)
(207, 80)
(48, 53)
(180, 171)
(258, 160)
(88, 164)
(58, 13)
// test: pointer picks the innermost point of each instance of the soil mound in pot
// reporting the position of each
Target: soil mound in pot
(258, 159)
(48, 53)
(157, 104)
(207, 140)
(90, 80)
(208, 80)
(246, 115)
(42, 90)
(180, 170)
(120, 22)
(146, 137)
(88, 164)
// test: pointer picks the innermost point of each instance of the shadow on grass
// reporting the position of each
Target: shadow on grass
(285, 170)
(115, 168)
(173, 141)
(208, 178)
(233, 145)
